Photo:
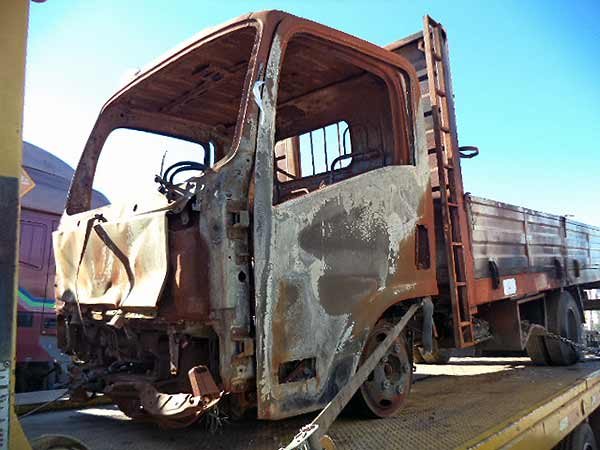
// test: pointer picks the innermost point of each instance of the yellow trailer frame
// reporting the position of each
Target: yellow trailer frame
(547, 423)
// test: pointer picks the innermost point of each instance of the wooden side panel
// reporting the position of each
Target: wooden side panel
(521, 240)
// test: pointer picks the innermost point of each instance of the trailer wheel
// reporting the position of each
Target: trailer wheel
(536, 350)
(565, 320)
(384, 391)
(581, 438)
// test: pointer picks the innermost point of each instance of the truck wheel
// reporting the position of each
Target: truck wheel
(384, 391)
(563, 319)
(581, 438)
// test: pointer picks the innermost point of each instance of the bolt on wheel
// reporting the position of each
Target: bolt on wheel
(386, 388)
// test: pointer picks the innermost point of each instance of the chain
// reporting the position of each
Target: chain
(576, 345)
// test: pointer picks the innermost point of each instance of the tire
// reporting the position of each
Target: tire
(537, 351)
(581, 438)
(56, 442)
(564, 319)
(384, 392)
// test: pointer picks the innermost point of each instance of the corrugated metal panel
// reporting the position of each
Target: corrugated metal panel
(522, 240)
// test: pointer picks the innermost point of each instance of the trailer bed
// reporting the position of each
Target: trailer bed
(470, 403)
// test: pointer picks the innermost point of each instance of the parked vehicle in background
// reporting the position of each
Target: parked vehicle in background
(40, 363)
(329, 199)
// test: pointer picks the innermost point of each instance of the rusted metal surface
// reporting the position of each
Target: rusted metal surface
(202, 382)
(204, 309)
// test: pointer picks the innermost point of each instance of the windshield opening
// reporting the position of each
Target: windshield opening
(173, 159)
(188, 108)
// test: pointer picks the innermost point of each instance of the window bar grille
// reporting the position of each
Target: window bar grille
(325, 148)
(344, 135)
(312, 152)
(337, 126)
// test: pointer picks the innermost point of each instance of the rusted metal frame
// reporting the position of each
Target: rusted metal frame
(79, 196)
(197, 91)
(237, 193)
(442, 179)
(182, 406)
(168, 125)
(463, 222)
(440, 89)
(357, 50)
(263, 201)
(401, 134)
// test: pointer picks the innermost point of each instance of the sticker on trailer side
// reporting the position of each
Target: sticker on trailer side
(4, 407)
(510, 286)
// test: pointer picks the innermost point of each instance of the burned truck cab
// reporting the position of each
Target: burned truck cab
(263, 279)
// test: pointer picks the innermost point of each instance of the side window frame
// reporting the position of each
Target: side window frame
(398, 89)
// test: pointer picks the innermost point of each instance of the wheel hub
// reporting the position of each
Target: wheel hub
(385, 386)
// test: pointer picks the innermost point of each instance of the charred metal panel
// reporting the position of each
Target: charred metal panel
(188, 286)
(521, 240)
(111, 263)
(349, 252)
(327, 265)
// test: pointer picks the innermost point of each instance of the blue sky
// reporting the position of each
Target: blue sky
(526, 79)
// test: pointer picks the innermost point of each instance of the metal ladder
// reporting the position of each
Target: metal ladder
(453, 214)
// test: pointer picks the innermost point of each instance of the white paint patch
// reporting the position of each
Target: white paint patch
(564, 423)
(346, 337)
(510, 286)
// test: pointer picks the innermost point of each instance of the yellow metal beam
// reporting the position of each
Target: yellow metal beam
(547, 423)
(14, 16)
(13, 42)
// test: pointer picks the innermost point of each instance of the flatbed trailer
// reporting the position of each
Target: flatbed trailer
(516, 405)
